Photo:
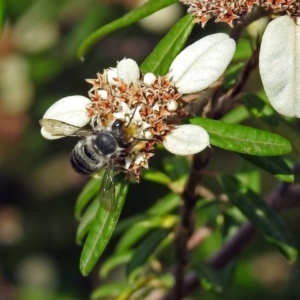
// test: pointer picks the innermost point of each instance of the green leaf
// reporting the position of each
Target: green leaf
(114, 261)
(2, 14)
(275, 165)
(176, 167)
(236, 115)
(249, 175)
(88, 192)
(267, 118)
(125, 224)
(260, 109)
(92, 19)
(232, 75)
(102, 228)
(263, 217)
(156, 176)
(139, 13)
(86, 220)
(213, 279)
(146, 248)
(165, 205)
(108, 290)
(136, 232)
(243, 139)
(243, 50)
(161, 208)
(160, 59)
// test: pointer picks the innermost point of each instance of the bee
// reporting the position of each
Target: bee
(97, 148)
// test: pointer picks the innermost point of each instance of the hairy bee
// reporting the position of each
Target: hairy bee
(99, 147)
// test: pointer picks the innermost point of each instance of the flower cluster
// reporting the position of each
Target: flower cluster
(228, 10)
(289, 7)
(148, 105)
(145, 102)
(223, 10)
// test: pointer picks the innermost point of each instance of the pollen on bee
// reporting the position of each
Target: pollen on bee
(138, 147)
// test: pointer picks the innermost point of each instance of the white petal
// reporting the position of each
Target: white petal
(136, 112)
(103, 94)
(128, 71)
(71, 110)
(111, 74)
(120, 115)
(279, 65)
(148, 135)
(125, 108)
(172, 105)
(128, 161)
(149, 78)
(187, 139)
(202, 63)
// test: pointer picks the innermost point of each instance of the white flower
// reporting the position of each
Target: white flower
(128, 70)
(202, 63)
(279, 65)
(71, 110)
(193, 70)
(112, 75)
(186, 140)
(149, 79)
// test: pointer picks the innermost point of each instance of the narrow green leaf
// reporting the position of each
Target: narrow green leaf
(243, 139)
(114, 261)
(86, 220)
(142, 285)
(249, 175)
(212, 279)
(146, 248)
(140, 12)
(161, 208)
(125, 224)
(108, 290)
(164, 205)
(156, 176)
(87, 194)
(102, 228)
(136, 232)
(236, 115)
(243, 50)
(160, 59)
(260, 109)
(275, 165)
(232, 75)
(264, 218)
(2, 14)
(266, 117)
(176, 167)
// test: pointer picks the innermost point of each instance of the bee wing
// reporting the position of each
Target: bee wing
(56, 127)
(107, 190)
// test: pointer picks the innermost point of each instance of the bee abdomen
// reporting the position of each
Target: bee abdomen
(84, 160)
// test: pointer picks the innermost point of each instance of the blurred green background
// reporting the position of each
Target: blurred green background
(38, 65)
(38, 187)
